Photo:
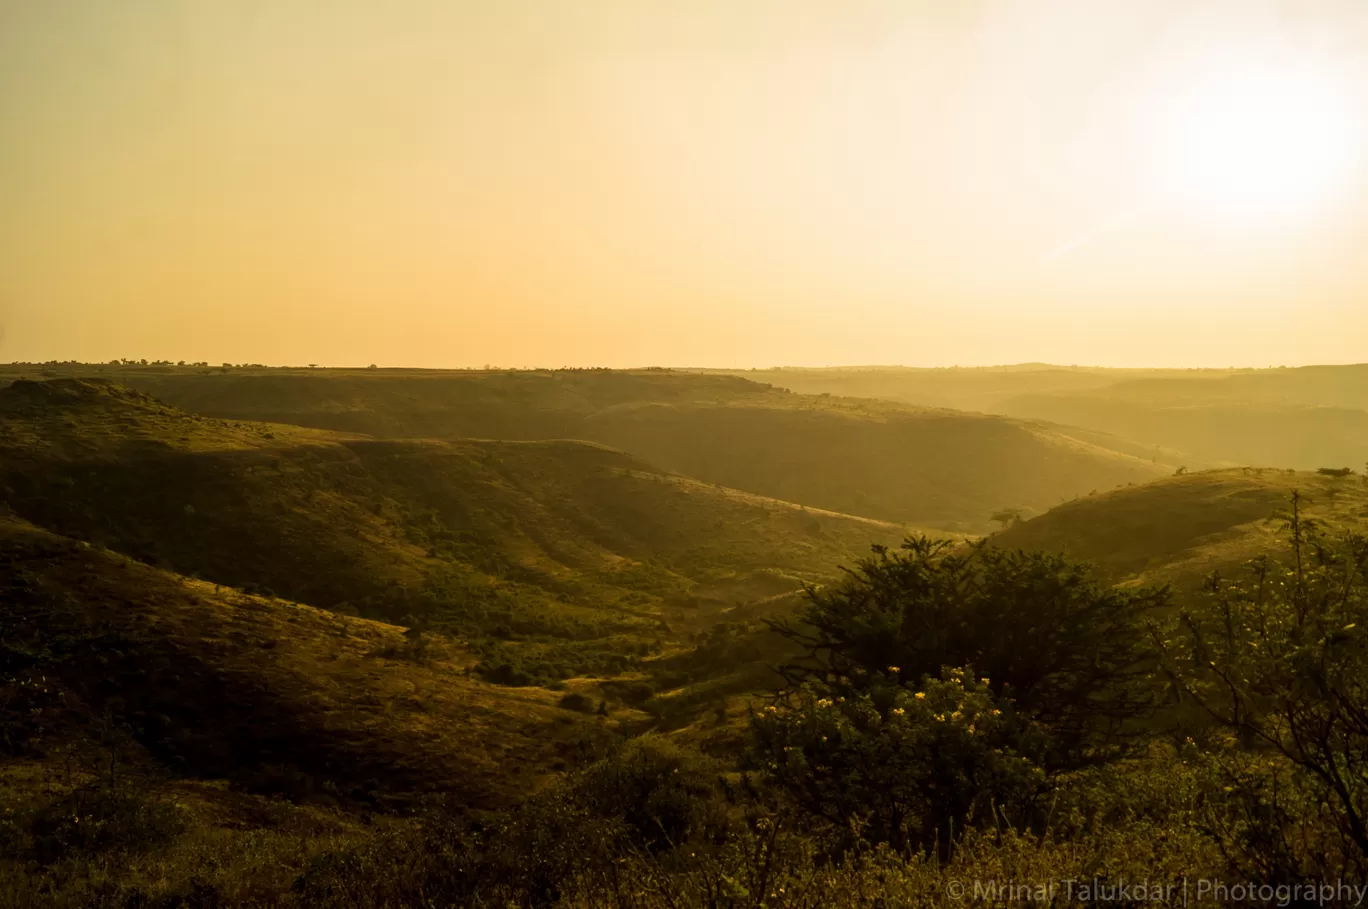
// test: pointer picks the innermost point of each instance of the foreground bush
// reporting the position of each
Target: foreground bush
(901, 767)
(1279, 660)
(1073, 656)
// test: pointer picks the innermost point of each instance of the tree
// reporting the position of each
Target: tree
(1280, 659)
(900, 767)
(1071, 655)
(941, 683)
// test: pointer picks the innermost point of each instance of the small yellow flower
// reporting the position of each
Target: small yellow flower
(997, 712)
(898, 711)
(971, 728)
(894, 669)
(920, 695)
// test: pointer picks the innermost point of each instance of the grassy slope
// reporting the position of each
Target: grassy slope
(939, 468)
(216, 683)
(1179, 529)
(564, 541)
(886, 461)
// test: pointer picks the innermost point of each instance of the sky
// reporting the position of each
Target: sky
(727, 183)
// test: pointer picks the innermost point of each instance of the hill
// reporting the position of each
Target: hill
(1179, 529)
(558, 557)
(1302, 418)
(982, 389)
(1305, 418)
(217, 684)
(938, 468)
(883, 460)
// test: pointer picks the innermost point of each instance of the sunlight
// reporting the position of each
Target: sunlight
(1244, 140)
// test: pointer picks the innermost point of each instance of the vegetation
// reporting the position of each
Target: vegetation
(249, 664)
(883, 794)
(551, 559)
(1178, 530)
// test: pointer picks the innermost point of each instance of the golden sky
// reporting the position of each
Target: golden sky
(701, 182)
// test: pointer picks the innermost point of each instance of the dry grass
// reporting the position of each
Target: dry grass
(250, 683)
(1179, 529)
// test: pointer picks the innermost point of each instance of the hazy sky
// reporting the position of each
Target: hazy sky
(692, 182)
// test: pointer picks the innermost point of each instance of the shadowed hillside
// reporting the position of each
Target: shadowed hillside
(940, 468)
(216, 683)
(888, 461)
(1180, 529)
(563, 545)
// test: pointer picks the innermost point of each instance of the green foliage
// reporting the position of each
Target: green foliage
(901, 767)
(665, 794)
(1067, 653)
(1280, 659)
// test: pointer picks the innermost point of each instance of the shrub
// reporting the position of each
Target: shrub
(1280, 660)
(96, 819)
(663, 793)
(1070, 655)
(577, 702)
(901, 767)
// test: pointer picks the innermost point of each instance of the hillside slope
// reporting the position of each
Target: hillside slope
(883, 460)
(1305, 417)
(265, 693)
(982, 389)
(1215, 430)
(545, 542)
(938, 468)
(1180, 529)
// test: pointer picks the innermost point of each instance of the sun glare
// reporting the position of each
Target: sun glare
(1257, 140)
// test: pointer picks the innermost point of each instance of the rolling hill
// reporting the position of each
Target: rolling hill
(883, 460)
(216, 684)
(1243, 419)
(567, 548)
(981, 389)
(1304, 418)
(1179, 529)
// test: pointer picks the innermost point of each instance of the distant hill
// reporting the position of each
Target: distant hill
(938, 468)
(982, 389)
(570, 546)
(1180, 529)
(1309, 417)
(892, 462)
(1316, 416)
